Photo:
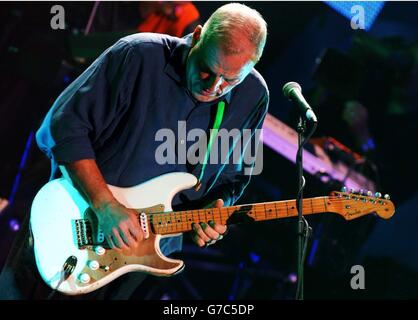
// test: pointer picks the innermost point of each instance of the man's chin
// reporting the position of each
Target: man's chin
(204, 98)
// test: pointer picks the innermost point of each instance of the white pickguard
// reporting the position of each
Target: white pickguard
(58, 203)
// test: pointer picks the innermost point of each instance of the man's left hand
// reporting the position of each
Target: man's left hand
(205, 234)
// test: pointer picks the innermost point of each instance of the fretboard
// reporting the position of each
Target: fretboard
(182, 221)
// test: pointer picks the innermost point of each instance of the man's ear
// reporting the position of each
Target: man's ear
(196, 34)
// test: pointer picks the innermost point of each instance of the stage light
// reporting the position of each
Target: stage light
(371, 9)
(14, 225)
(255, 258)
(293, 278)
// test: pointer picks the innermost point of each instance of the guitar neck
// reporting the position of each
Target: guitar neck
(182, 221)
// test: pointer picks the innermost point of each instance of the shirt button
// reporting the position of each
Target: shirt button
(182, 141)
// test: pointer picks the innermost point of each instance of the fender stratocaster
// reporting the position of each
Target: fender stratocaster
(73, 257)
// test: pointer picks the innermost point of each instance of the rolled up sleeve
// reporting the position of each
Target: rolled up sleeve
(89, 105)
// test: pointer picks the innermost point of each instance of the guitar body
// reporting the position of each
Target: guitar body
(57, 221)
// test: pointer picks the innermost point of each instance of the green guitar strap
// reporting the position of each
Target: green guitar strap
(213, 134)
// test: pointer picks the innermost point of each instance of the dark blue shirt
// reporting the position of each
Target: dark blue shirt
(113, 110)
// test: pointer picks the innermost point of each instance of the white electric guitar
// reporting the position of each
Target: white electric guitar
(73, 257)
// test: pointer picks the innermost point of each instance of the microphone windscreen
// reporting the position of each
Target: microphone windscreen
(288, 87)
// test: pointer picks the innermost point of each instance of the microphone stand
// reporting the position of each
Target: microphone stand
(304, 230)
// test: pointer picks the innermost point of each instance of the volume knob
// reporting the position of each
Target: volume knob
(84, 278)
(94, 265)
(100, 250)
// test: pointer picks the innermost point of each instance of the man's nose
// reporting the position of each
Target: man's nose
(215, 84)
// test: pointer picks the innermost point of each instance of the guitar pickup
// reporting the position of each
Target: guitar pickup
(83, 233)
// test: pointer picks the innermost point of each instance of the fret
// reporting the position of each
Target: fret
(214, 216)
(228, 214)
(162, 226)
(276, 209)
(210, 215)
(223, 220)
(325, 204)
(255, 211)
(189, 220)
(160, 222)
(205, 214)
(294, 208)
(265, 210)
(220, 210)
(284, 208)
(271, 213)
(189, 215)
(154, 222)
(266, 217)
(312, 207)
(178, 221)
(180, 226)
(167, 222)
(287, 209)
(201, 215)
(172, 221)
(195, 216)
(259, 208)
(163, 223)
(183, 221)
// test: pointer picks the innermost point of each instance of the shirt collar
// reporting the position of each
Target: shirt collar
(176, 65)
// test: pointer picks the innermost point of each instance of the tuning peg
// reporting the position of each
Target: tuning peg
(361, 192)
(369, 193)
(344, 189)
(377, 195)
(352, 190)
(387, 197)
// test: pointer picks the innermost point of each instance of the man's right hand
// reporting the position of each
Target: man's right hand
(119, 225)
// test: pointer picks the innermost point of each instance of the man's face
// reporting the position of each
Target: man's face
(211, 73)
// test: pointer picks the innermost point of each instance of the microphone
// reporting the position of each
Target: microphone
(293, 91)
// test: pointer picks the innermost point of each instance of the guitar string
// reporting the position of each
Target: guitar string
(254, 207)
(170, 220)
(173, 221)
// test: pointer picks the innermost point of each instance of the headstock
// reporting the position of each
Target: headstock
(352, 205)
